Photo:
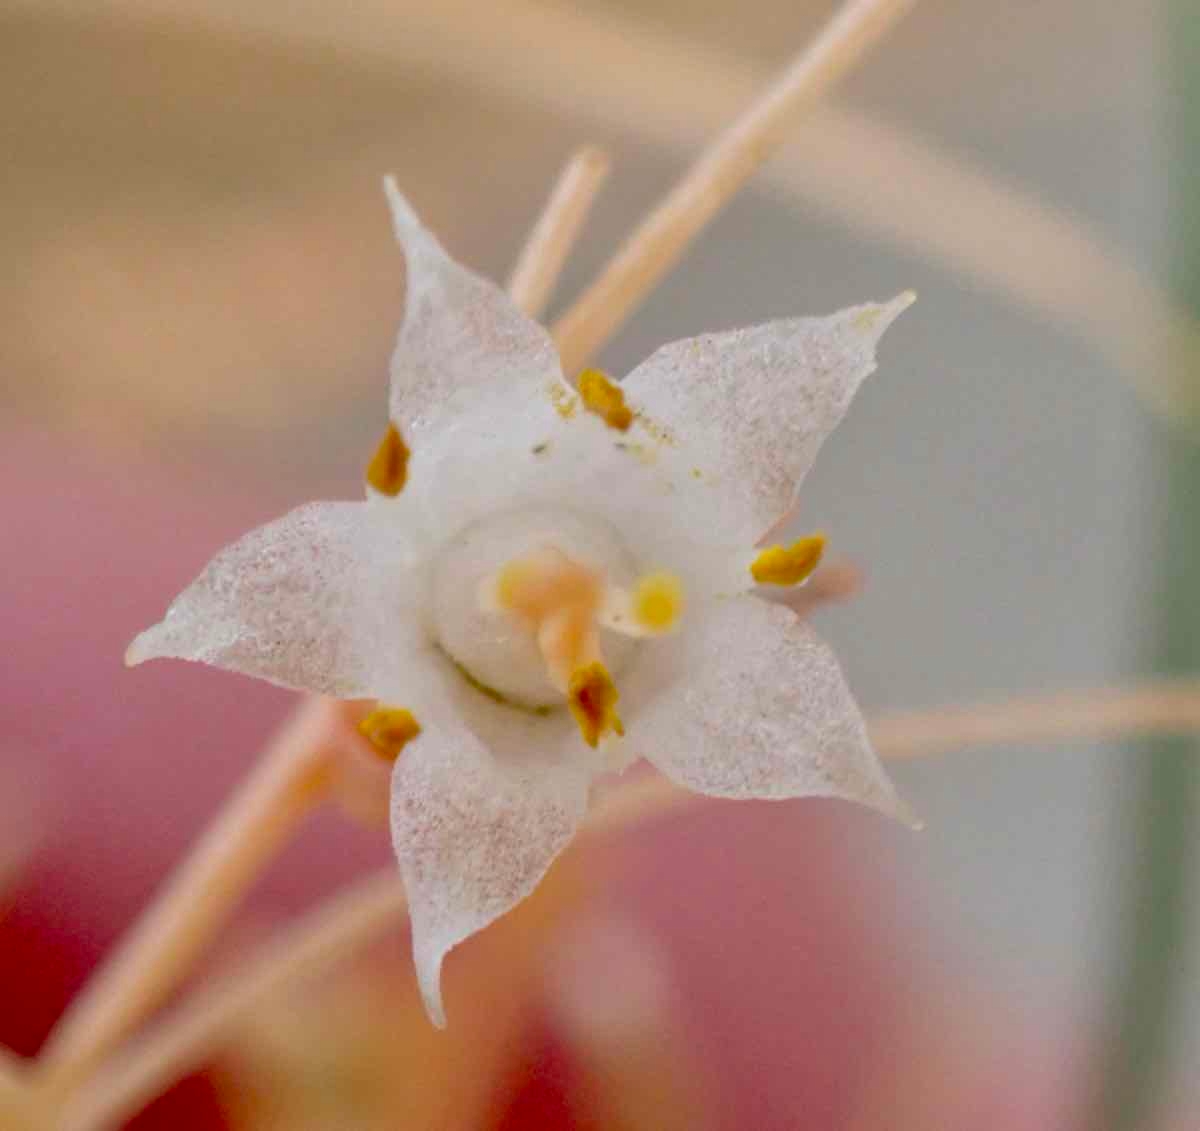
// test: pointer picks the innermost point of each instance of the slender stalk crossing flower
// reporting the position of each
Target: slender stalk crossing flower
(547, 582)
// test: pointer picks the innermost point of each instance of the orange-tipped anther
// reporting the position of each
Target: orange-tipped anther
(605, 399)
(592, 697)
(388, 470)
(390, 730)
(789, 565)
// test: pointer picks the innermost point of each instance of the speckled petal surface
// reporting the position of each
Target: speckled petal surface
(748, 410)
(319, 600)
(464, 349)
(751, 703)
(473, 835)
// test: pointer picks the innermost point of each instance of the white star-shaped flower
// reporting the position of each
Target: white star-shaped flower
(526, 555)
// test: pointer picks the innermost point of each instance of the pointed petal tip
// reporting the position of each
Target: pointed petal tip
(906, 815)
(404, 217)
(431, 995)
(875, 317)
(138, 651)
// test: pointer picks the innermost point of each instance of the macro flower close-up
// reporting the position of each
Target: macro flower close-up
(621, 663)
(534, 565)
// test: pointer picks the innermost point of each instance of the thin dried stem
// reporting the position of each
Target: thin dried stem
(181, 1042)
(18, 1111)
(545, 253)
(12, 1076)
(1167, 707)
(664, 235)
(167, 1050)
(289, 781)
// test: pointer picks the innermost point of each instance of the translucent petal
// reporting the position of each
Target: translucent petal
(464, 349)
(579, 464)
(750, 703)
(474, 834)
(749, 409)
(322, 599)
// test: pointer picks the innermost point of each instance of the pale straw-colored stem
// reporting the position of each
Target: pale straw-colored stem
(545, 252)
(165, 1051)
(18, 1110)
(162, 946)
(181, 1041)
(1167, 707)
(12, 1076)
(665, 234)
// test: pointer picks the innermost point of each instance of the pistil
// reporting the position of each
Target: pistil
(563, 603)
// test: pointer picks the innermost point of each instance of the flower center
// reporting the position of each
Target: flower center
(541, 608)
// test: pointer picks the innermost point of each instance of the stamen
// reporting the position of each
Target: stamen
(791, 565)
(592, 697)
(390, 730)
(658, 602)
(388, 470)
(605, 399)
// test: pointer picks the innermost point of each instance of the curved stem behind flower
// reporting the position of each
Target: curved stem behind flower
(288, 782)
(715, 178)
(164, 1052)
(545, 252)
(12, 1073)
(180, 1042)
(1101, 715)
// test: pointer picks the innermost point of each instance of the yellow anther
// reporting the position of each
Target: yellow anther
(605, 399)
(388, 470)
(789, 565)
(658, 601)
(390, 730)
(592, 697)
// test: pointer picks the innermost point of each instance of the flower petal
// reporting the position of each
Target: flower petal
(752, 704)
(315, 600)
(474, 834)
(749, 409)
(464, 349)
